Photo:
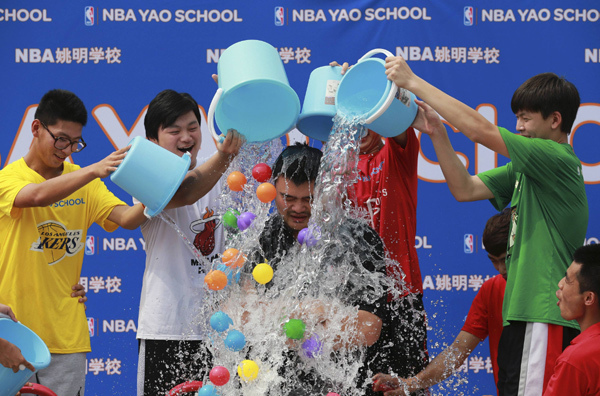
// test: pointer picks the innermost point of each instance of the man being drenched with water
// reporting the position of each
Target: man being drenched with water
(335, 287)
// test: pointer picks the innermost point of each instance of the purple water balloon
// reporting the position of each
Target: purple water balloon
(313, 346)
(309, 236)
(245, 220)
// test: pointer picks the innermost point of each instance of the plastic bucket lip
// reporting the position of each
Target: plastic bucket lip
(29, 343)
(351, 73)
(152, 211)
(285, 89)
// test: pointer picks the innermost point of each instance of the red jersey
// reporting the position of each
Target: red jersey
(387, 190)
(485, 316)
(576, 369)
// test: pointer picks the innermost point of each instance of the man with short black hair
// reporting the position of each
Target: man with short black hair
(42, 238)
(576, 369)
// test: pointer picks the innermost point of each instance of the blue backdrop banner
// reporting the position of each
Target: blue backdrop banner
(117, 55)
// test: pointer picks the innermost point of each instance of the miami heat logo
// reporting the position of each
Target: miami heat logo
(56, 242)
(205, 239)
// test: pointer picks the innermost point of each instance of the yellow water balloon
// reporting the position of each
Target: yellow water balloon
(248, 370)
(262, 273)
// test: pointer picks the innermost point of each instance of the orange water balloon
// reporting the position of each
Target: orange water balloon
(236, 181)
(216, 280)
(233, 258)
(266, 192)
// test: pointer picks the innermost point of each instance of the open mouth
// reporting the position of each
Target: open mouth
(186, 149)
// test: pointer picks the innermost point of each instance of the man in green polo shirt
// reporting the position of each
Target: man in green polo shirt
(544, 186)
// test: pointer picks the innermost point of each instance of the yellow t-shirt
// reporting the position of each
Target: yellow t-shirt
(41, 254)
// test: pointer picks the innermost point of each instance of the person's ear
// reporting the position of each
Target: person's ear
(590, 298)
(556, 119)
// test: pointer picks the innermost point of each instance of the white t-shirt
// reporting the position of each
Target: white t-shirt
(173, 285)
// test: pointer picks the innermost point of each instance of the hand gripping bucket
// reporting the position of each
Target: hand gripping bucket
(318, 109)
(365, 91)
(151, 174)
(254, 95)
(32, 347)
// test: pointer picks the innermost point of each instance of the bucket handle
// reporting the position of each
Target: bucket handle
(211, 116)
(393, 90)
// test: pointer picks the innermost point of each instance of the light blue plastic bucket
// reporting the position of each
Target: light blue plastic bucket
(318, 108)
(151, 174)
(32, 347)
(366, 92)
(254, 95)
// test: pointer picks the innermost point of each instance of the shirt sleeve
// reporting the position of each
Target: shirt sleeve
(477, 318)
(501, 182)
(10, 185)
(566, 380)
(104, 202)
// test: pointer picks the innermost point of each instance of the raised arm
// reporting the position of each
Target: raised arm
(467, 120)
(56, 188)
(462, 185)
(199, 181)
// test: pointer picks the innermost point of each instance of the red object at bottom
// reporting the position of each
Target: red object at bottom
(190, 386)
(37, 389)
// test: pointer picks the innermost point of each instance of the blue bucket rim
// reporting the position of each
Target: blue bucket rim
(289, 90)
(37, 364)
(383, 97)
(187, 158)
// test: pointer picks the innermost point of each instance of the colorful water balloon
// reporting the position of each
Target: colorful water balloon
(309, 236)
(235, 340)
(248, 370)
(266, 192)
(294, 329)
(313, 346)
(219, 375)
(245, 220)
(233, 274)
(236, 181)
(261, 172)
(208, 390)
(220, 321)
(233, 258)
(230, 218)
(215, 280)
(262, 273)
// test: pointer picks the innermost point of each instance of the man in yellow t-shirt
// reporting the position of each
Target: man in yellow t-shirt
(46, 208)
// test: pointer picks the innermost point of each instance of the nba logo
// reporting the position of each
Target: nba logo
(279, 16)
(89, 16)
(468, 16)
(468, 243)
(90, 245)
(91, 326)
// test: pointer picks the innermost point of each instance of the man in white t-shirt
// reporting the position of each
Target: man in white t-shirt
(171, 349)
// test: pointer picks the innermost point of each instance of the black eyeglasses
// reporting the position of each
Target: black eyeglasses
(62, 143)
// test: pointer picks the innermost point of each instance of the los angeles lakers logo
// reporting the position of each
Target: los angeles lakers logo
(56, 241)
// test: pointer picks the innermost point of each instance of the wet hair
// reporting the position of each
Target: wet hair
(495, 233)
(589, 273)
(62, 105)
(166, 108)
(298, 163)
(545, 94)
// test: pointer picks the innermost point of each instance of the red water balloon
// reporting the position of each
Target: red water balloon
(262, 172)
